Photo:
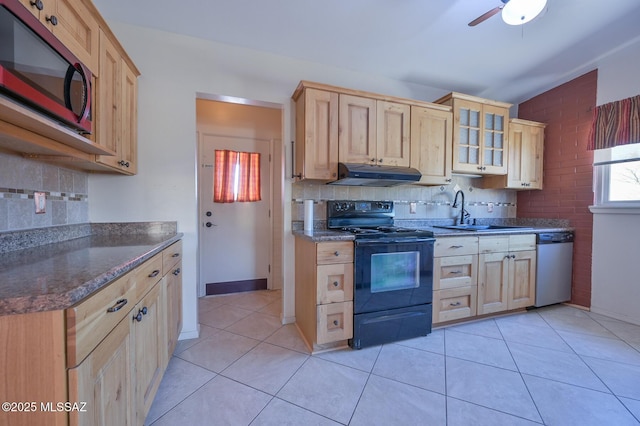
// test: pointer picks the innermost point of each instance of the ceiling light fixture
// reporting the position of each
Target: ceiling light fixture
(518, 12)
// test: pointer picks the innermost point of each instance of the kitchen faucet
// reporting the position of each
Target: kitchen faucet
(463, 213)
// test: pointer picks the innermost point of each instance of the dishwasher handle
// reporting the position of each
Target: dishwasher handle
(554, 237)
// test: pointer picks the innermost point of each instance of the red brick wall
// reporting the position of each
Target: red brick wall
(568, 170)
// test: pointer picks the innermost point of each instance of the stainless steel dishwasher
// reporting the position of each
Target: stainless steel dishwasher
(554, 268)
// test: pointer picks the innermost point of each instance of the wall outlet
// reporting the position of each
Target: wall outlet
(40, 200)
(490, 208)
(412, 208)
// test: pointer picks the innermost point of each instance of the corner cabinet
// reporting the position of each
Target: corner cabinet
(480, 131)
(526, 152)
(324, 292)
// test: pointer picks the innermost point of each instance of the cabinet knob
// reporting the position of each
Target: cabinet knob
(336, 283)
(138, 317)
(380, 160)
(335, 322)
(38, 4)
(336, 253)
(373, 160)
(53, 19)
(176, 272)
(144, 310)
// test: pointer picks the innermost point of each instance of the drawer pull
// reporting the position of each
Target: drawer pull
(154, 273)
(336, 283)
(456, 247)
(456, 272)
(175, 255)
(454, 304)
(336, 253)
(176, 272)
(119, 305)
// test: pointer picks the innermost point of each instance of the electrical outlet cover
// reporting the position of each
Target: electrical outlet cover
(40, 201)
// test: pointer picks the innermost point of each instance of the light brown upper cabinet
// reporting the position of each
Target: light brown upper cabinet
(431, 144)
(116, 109)
(480, 131)
(526, 147)
(373, 131)
(316, 145)
(73, 24)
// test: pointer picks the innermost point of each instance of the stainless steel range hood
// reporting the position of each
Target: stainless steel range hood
(375, 175)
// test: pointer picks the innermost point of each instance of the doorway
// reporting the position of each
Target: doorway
(236, 241)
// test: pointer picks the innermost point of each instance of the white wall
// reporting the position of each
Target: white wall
(615, 288)
(174, 68)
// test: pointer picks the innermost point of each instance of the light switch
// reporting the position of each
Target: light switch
(40, 200)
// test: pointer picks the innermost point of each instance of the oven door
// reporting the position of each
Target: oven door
(392, 273)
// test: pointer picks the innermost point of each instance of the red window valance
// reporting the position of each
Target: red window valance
(615, 123)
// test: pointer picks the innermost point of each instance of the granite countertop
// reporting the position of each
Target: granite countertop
(319, 235)
(58, 275)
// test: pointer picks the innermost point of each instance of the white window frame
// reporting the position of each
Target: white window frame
(603, 159)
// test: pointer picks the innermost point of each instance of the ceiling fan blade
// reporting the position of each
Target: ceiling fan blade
(485, 16)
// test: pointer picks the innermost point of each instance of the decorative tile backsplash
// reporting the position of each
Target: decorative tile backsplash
(431, 202)
(66, 194)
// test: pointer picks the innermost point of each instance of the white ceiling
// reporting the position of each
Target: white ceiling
(425, 42)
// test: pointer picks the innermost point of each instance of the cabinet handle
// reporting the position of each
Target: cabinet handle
(119, 305)
(455, 272)
(456, 247)
(336, 283)
(448, 180)
(38, 4)
(336, 253)
(454, 304)
(154, 273)
(176, 272)
(53, 19)
(175, 255)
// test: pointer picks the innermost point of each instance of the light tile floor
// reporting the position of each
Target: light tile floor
(554, 366)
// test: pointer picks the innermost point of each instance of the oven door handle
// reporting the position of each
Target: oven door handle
(386, 241)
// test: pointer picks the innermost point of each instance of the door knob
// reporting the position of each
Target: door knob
(208, 214)
(208, 224)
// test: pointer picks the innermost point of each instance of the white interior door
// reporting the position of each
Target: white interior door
(235, 238)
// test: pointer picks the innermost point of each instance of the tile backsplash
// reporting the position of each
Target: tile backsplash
(431, 202)
(66, 192)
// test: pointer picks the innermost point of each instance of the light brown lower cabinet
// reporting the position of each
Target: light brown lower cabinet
(105, 355)
(324, 292)
(482, 275)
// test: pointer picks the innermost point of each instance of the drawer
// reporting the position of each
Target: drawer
(454, 303)
(91, 320)
(455, 246)
(334, 283)
(147, 274)
(334, 252)
(170, 256)
(496, 244)
(522, 242)
(455, 271)
(335, 322)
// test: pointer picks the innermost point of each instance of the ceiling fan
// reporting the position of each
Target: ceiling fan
(514, 12)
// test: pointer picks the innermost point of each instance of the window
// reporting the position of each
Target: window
(236, 177)
(617, 176)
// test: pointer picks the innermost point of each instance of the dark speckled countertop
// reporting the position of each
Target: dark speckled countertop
(56, 276)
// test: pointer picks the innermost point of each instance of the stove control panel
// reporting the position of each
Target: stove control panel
(354, 206)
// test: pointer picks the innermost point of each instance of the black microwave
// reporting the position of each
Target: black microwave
(38, 71)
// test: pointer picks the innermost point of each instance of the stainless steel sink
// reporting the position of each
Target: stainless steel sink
(483, 228)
